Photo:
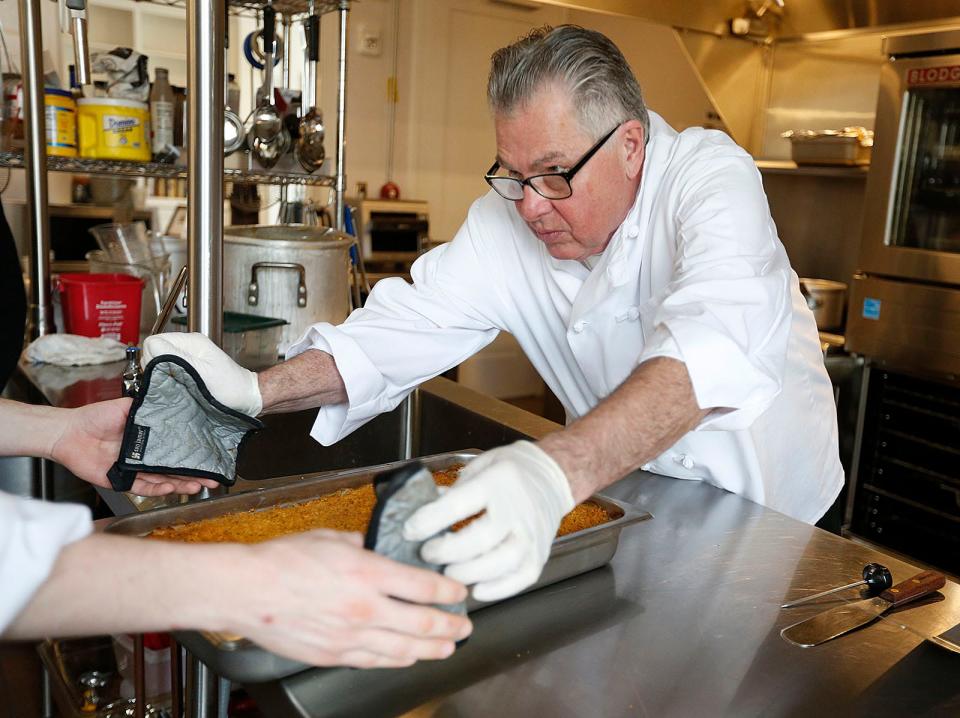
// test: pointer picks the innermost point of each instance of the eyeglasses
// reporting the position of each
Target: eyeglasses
(553, 185)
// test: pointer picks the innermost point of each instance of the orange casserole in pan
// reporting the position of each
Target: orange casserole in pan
(344, 510)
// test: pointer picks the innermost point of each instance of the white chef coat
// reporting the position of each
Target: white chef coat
(695, 272)
(31, 536)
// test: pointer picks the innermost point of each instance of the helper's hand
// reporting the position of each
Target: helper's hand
(319, 597)
(87, 441)
(229, 382)
(524, 494)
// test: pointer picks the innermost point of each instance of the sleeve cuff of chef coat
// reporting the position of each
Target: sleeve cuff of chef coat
(365, 386)
(32, 533)
(711, 357)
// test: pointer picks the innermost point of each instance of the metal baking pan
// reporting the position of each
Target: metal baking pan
(850, 146)
(241, 660)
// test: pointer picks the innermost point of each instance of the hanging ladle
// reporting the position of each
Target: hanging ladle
(233, 132)
(269, 139)
(310, 152)
(267, 123)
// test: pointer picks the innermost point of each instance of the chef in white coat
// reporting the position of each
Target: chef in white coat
(641, 272)
(316, 597)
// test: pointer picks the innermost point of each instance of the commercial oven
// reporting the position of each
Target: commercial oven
(904, 311)
(907, 295)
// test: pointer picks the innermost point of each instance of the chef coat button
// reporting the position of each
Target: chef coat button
(579, 326)
(633, 232)
(633, 313)
(646, 467)
(684, 460)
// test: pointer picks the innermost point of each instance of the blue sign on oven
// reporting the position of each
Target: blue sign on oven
(871, 308)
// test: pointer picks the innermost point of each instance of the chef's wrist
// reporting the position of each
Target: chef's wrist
(563, 451)
(268, 387)
(306, 381)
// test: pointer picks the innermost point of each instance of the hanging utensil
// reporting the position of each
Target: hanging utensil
(268, 153)
(266, 120)
(81, 49)
(310, 152)
(233, 132)
(267, 145)
(164, 314)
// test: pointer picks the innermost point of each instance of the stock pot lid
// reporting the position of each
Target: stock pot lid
(300, 236)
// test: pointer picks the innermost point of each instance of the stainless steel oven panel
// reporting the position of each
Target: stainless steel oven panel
(903, 325)
(927, 42)
(877, 255)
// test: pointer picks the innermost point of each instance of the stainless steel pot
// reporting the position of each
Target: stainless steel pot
(827, 300)
(297, 273)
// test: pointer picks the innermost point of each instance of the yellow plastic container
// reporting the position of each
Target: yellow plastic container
(111, 128)
(61, 122)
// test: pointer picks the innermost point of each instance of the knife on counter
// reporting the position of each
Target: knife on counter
(843, 619)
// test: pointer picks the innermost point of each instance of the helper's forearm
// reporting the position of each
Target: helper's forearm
(28, 430)
(304, 382)
(111, 584)
(640, 420)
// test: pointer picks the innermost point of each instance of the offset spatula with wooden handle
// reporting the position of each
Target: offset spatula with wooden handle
(843, 619)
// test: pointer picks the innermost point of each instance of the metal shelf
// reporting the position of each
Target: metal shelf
(168, 171)
(786, 167)
(252, 7)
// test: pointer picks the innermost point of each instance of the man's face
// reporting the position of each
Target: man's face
(544, 136)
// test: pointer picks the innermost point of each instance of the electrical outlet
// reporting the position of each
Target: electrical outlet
(370, 41)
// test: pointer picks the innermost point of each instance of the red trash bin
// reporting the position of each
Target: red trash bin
(102, 305)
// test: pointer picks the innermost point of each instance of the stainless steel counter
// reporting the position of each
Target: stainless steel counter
(685, 621)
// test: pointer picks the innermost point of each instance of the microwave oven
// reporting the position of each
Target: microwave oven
(391, 228)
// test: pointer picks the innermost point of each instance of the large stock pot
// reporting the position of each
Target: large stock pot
(827, 300)
(294, 272)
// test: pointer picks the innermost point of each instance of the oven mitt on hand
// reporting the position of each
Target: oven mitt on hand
(175, 426)
(400, 492)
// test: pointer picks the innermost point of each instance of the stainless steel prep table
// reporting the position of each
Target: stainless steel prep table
(685, 621)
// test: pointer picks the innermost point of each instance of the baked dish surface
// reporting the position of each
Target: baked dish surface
(344, 510)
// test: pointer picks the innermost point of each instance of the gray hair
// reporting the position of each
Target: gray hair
(602, 86)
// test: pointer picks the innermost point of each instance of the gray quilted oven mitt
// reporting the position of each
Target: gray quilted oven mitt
(400, 492)
(175, 426)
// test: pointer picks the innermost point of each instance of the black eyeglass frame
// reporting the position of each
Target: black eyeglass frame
(566, 175)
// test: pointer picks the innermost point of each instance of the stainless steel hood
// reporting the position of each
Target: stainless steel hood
(798, 17)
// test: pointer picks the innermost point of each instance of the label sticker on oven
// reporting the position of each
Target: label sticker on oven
(871, 308)
(934, 75)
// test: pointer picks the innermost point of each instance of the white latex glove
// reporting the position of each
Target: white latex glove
(525, 495)
(227, 381)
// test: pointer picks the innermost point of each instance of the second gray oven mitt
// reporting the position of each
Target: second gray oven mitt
(175, 426)
(399, 493)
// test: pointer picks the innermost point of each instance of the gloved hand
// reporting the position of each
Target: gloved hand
(230, 383)
(525, 495)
